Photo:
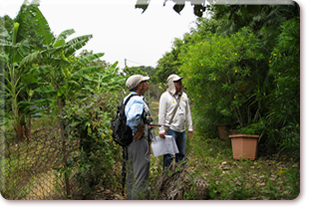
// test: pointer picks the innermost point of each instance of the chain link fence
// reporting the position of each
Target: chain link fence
(30, 168)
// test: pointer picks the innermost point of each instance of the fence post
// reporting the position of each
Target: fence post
(62, 133)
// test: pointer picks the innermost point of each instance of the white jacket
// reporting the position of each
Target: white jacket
(167, 104)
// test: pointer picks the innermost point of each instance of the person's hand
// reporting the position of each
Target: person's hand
(139, 133)
(162, 135)
(151, 126)
(191, 133)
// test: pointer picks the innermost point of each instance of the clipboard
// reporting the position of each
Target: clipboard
(164, 146)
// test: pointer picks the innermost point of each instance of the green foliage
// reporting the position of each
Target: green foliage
(234, 17)
(253, 129)
(168, 64)
(90, 118)
(267, 178)
(128, 71)
(221, 74)
(95, 62)
(284, 113)
(248, 78)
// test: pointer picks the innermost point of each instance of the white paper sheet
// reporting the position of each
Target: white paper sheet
(164, 146)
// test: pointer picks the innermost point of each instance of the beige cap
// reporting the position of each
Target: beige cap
(174, 78)
(134, 80)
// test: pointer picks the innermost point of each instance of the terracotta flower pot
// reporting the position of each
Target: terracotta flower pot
(222, 129)
(244, 146)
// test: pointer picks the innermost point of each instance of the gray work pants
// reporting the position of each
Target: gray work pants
(138, 166)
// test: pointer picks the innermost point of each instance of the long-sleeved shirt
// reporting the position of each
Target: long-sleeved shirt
(134, 114)
(167, 104)
(134, 111)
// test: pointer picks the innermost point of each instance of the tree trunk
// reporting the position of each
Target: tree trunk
(19, 131)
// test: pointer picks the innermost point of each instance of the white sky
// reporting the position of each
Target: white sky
(119, 30)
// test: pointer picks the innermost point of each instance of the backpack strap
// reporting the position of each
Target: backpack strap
(129, 97)
(175, 109)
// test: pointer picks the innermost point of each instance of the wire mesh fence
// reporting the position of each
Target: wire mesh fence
(29, 168)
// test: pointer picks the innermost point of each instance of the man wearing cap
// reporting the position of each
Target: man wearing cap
(138, 150)
(174, 103)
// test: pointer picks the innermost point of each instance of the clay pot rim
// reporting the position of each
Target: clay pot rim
(243, 135)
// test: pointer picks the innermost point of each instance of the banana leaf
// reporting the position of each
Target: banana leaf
(30, 58)
(41, 27)
(60, 43)
(24, 104)
(112, 69)
(75, 44)
(87, 70)
(63, 36)
(62, 90)
(3, 33)
(87, 59)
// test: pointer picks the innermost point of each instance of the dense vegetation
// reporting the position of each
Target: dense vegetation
(241, 68)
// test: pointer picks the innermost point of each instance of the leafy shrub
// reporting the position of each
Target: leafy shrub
(221, 74)
(284, 113)
(94, 161)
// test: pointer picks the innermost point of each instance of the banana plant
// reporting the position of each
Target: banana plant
(13, 52)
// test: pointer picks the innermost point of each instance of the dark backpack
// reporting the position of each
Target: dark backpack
(122, 134)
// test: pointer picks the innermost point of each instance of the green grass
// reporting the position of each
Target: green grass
(271, 177)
